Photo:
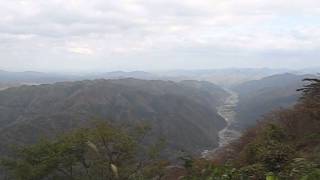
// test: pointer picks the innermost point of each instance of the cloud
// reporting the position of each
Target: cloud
(133, 33)
(81, 50)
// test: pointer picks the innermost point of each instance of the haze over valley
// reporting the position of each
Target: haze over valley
(159, 90)
(37, 104)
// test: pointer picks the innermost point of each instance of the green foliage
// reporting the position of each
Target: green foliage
(251, 153)
(155, 170)
(311, 90)
(298, 168)
(46, 157)
(201, 169)
(188, 161)
(155, 149)
(269, 150)
(271, 176)
(274, 134)
(255, 171)
(103, 152)
(313, 175)
(276, 156)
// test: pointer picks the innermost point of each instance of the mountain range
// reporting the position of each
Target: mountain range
(183, 113)
(222, 77)
(67, 104)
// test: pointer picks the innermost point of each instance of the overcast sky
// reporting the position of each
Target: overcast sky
(104, 35)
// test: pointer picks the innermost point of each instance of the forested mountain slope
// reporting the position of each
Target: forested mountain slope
(184, 113)
(285, 145)
(258, 97)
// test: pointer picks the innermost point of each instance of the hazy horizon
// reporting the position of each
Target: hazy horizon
(311, 70)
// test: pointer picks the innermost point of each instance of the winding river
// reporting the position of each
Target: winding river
(227, 111)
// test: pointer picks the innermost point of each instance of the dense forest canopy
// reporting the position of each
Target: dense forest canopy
(103, 152)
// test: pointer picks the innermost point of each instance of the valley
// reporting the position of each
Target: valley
(159, 90)
(191, 116)
(228, 112)
(183, 113)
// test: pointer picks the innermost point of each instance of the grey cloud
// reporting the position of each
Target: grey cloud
(122, 34)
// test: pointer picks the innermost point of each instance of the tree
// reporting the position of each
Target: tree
(103, 152)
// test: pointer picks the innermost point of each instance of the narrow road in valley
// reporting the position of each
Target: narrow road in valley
(228, 112)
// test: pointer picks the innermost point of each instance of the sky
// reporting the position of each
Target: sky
(107, 35)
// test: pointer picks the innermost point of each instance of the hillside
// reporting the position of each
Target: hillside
(184, 113)
(285, 145)
(223, 77)
(258, 97)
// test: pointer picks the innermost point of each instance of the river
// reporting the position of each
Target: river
(228, 111)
